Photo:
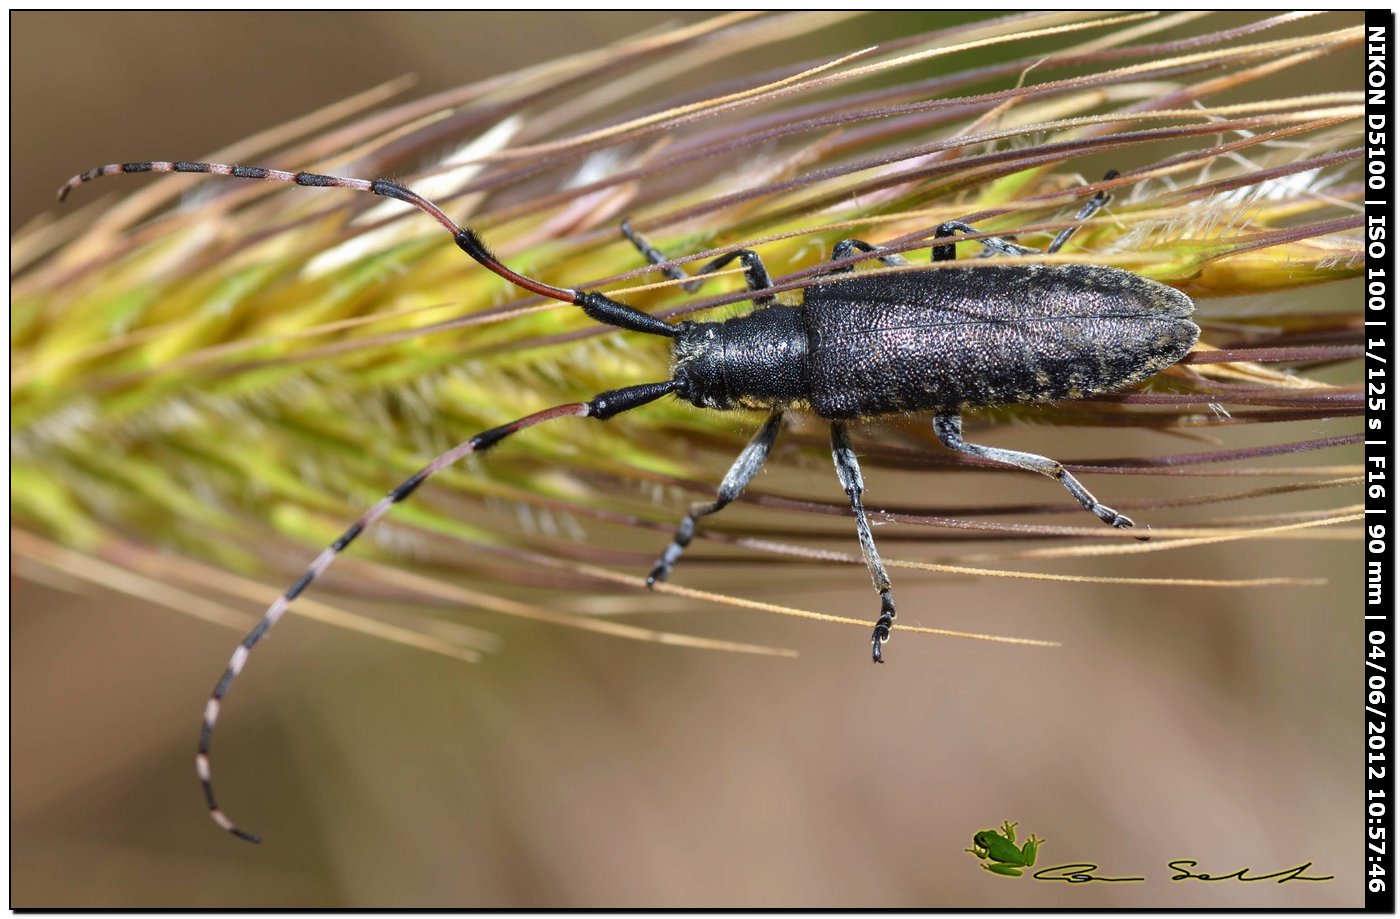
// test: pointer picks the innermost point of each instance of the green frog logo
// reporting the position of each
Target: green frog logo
(998, 851)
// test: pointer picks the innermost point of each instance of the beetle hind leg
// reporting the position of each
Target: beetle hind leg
(1090, 208)
(949, 431)
(848, 471)
(995, 244)
(735, 481)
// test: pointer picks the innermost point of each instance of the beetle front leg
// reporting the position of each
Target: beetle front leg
(755, 272)
(949, 431)
(848, 471)
(735, 481)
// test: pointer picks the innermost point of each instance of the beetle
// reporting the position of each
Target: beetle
(857, 346)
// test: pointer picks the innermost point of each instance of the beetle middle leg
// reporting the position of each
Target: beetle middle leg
(845, 247)
(755, 273)
(848, 471)
(946, 253)
(735, 481)
(949, 431)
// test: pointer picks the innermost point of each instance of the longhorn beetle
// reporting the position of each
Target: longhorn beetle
(857, 346)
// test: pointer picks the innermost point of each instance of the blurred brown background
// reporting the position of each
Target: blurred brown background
(571, 769)
(143, 85)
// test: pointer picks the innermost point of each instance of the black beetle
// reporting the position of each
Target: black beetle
(937, 341)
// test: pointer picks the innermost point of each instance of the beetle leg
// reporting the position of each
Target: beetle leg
(944, 252)
(848, 471)
(1090, 208)
(949, 431)
(755, 274)
(845, 247)
(735, 481)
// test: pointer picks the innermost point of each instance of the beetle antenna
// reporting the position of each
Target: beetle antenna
(603, 406)
(598, 307)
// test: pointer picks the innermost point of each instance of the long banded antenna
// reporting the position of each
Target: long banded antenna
(599, 307)
(605, 405)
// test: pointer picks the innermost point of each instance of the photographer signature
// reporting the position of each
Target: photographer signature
(1082, 873)
(1000, 855)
